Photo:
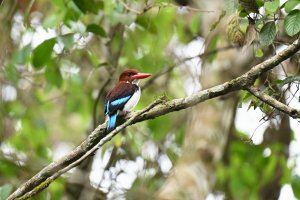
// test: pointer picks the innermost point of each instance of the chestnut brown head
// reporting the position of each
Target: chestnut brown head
(132, 74)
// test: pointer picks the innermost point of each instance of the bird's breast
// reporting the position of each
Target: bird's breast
(133, 100)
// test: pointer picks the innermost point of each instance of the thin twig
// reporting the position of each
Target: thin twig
(131, 9)
(173, 66)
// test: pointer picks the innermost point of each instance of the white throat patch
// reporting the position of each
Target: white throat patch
(136, 81)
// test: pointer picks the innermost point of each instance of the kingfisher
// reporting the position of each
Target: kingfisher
(124, 96)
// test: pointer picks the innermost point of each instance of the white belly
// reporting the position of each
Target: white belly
(132, 101)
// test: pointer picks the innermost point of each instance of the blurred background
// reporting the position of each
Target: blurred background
(59, 58)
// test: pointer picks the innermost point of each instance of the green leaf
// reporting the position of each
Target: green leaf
(211, 46)
(287, 80)
(265, 108)
(59, 3)
(42, 53)
(259, 3)
(267, 33)
(272, 6)
(296, 185)
(71, 14)
(259, 53)
(56, 188)
(145, 22)
(94, 28)
(22, 55)
(53, 75)
(12, 73)
(159, 132)
(245, 96)
(243, 13)
(231, 6)
(195, 24)
(248, 174)
(5, 190)
(292, 23)
(52, 21)
(8, 169)
(67, 40)
(89, 5)
(269, 169)
(290, 5)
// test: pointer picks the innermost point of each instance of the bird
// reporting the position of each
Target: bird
(124, 96)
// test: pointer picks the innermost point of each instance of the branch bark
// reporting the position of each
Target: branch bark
(294, 113)
(99, 136)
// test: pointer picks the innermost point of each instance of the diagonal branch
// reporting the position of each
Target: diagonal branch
(294, 113)
(90, 152)
(99, 136)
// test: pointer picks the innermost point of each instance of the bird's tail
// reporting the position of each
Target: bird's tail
(112, 119)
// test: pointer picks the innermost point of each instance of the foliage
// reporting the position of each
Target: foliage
(268, 23)
(249, 163)
(63, 61)
(5, 191)
(267, 33)
(291, 23)
(296, 185)
(58, 78)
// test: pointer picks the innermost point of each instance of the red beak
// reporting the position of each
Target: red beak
(141, 75)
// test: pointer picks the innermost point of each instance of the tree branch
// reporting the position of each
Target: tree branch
(294, 113)
(99, 136)
(105, 139)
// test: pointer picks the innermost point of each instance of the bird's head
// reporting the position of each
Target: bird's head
(132, 75)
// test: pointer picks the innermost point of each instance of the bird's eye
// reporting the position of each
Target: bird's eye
(129, 74)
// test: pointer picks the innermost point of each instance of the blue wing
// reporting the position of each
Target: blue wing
(118, 97)
(120, 101)
(111, 124)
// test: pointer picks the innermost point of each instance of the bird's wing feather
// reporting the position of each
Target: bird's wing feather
(120, 101)
(119, 96)
(111, 124)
